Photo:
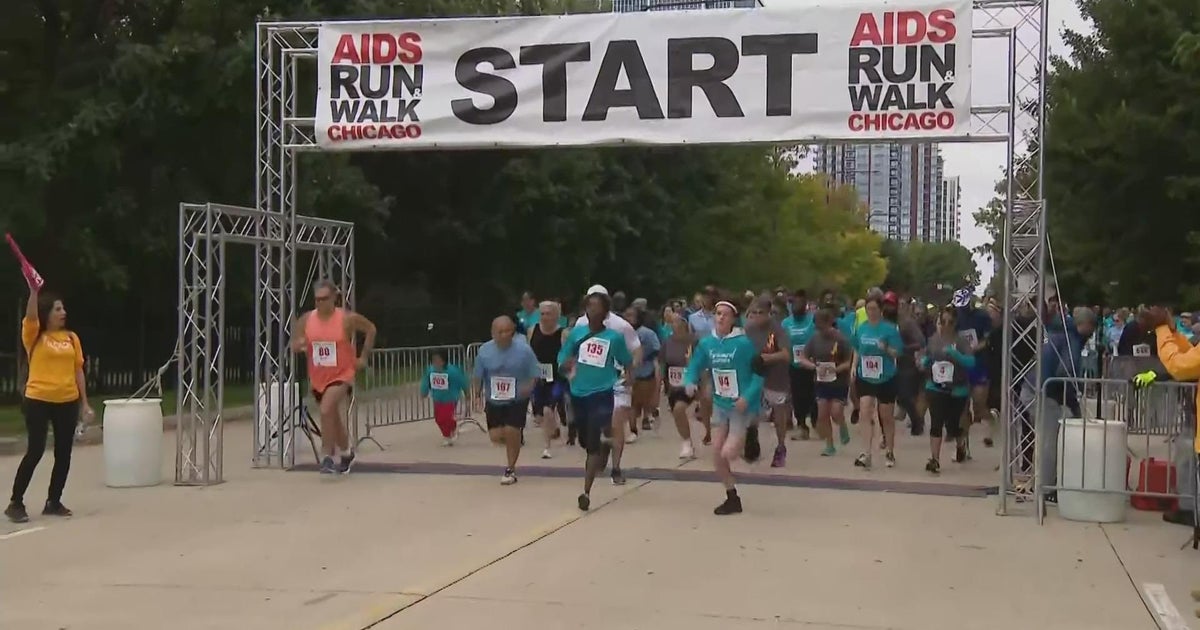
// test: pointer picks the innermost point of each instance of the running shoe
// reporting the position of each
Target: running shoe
(805, 434)
(932, 466)
(55, 508)
(828, 451)
(327, 467)
(863, 461)
(646, 426)
(844, 434)
(779, 460)
(960, 453)
(731, 505)
(447, 442)
(618, 477)
(546, 454)
(16, 512)
(687, 451)
(509, 478)
(346, 463)
(889, 459)
(631, 437)
(585, 503)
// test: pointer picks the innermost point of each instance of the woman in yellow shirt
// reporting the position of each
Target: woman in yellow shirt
(54, 394)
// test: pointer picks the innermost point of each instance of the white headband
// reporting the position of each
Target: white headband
(729, 304)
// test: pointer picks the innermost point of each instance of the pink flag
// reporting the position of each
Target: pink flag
(32, 277)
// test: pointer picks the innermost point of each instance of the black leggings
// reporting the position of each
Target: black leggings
(945, 411)
(40, 416)
(908, 382)
(804, 395)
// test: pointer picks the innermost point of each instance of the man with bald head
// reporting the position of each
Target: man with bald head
(506, 370)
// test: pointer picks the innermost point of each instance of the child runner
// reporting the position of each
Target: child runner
(445, 384)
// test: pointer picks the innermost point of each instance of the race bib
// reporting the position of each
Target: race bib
(547, 372)
(943, 372)
(594, 352)
(675, 376)
(872, 367)
(725, 383)
(970, 336)
(1141, 350)
(504, 388)
(439, 381)
(797, 354)
(324, 354)
(826, 372)
(1086, 353)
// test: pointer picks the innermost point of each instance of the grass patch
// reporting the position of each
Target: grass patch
(13, 423)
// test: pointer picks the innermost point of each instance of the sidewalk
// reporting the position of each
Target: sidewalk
(273, 550)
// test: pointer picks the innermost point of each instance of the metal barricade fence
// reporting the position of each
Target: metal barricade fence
(1105, 441)
(392, 387)
(1152, 417)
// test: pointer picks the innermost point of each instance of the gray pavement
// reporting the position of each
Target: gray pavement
(292, 551)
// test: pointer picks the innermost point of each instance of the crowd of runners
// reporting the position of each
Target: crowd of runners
(736, 367)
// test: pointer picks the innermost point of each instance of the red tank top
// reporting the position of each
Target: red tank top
(331, 356)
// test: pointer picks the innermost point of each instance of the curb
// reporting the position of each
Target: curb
(95, 435)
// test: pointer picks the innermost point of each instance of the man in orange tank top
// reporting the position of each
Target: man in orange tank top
(326, 335)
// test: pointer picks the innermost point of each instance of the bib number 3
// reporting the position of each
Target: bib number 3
(943, 372)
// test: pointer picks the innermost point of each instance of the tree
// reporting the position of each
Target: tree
(932, 271)
(111, 113)
(1123, 152)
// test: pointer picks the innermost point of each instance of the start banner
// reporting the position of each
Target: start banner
(852, 70)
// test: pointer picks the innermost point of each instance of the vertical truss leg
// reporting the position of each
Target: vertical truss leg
(1024, 254)
(187, 403)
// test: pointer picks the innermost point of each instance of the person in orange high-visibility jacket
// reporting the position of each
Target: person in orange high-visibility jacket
(1180, 358)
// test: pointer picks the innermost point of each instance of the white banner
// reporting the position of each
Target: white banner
(854, 70)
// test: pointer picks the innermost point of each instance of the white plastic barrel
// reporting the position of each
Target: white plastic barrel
(1095, 463)
(1108, 409)
(270, 413)
(133, 435)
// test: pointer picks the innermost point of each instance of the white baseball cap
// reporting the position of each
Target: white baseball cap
(596, 288)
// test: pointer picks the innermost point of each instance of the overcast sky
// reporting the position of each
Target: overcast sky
(980, 165)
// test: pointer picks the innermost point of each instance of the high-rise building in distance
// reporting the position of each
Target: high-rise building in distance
(680, 5)
(899, 184)
(949, 220)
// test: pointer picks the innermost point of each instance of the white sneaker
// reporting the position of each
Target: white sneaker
(546, 454)
(448, 442)
(630, 438)
(509, 478)
(687, 452)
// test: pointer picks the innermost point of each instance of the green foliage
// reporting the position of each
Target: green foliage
(111, 113)
(1123, 154)
(932, 271)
